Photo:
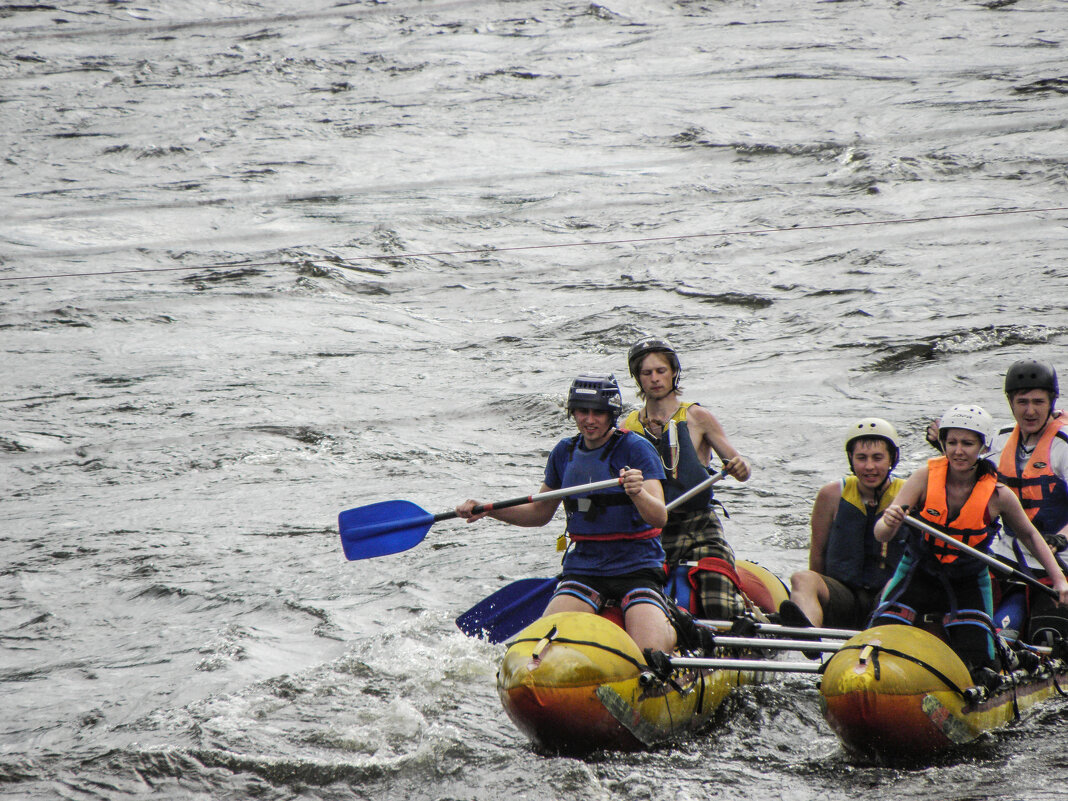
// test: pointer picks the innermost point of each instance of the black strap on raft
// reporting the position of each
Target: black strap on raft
(569, 641)
(1057, 685)
(743, 626)
(692, 637)
(1059, 651)
(659, 664)
(876, 649)
(656, 662)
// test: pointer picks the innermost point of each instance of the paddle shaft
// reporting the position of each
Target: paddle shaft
(563, 493)
(538, 496)
(708, 482)
(774, 644)
(982, 557)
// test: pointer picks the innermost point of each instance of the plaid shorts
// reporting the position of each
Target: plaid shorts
(690, 536)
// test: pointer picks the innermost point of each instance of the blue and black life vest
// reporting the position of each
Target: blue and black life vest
(600, 516)
(853, 555)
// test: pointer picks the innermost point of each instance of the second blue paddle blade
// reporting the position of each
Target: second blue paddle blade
(382, 528)
(508, 610)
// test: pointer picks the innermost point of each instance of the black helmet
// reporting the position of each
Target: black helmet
(595, 391)
(1031, 374)
(643, 347)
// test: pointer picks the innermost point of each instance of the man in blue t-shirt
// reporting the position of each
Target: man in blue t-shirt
(615, 553)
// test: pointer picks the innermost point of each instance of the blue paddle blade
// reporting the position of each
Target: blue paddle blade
(382, 528)
(508, 610)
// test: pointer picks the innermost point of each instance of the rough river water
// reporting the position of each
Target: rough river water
(261, 262)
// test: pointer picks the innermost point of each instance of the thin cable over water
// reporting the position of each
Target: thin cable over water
(514, 248)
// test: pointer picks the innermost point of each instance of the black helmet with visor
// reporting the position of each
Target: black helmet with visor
(595, 391)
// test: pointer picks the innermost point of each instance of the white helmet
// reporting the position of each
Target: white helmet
(873, 427)
(970, 418)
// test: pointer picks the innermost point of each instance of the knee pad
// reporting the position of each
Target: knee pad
(644, 595)
(576, 589)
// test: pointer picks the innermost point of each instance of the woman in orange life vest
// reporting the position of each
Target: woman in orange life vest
(959, 494)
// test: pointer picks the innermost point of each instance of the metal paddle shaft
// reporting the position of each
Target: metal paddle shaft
(540, 496)
(389, 527)
(982, 557)
(708, 482)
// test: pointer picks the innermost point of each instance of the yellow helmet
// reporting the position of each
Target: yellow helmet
(873, 427)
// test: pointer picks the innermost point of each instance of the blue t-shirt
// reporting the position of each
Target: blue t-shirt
(571, 464)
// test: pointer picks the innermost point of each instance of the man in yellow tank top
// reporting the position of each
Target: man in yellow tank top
(686, 436)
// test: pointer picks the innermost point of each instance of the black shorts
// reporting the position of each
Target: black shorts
(847, 608)
(613, 588)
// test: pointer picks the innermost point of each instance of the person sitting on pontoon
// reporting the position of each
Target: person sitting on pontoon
(700, 562)
(615, 554)
(847, 567)
(1032, 460)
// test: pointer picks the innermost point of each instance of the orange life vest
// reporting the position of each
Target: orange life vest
(1041, 491)
(972, 525)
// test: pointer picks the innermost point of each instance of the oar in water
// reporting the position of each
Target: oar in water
(519, 604)
(508, 610)
(997, 564)
(393, 526)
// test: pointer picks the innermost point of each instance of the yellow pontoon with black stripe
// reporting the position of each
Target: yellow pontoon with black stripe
(900, 691)
(577, 682)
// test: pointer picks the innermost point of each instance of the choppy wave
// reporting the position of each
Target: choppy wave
(262, 264)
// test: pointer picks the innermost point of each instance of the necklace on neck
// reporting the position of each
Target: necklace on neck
(652, 427)
(877, 493)
(650, 421)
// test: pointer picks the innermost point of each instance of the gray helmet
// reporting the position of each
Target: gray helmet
(1032, 374)
(643, 347)
(873, 427)
(595, 391)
